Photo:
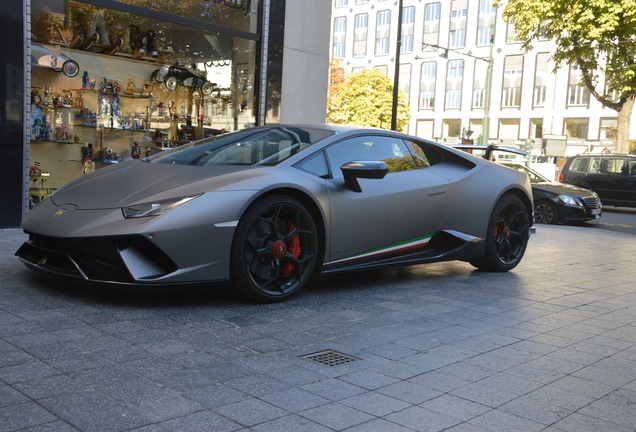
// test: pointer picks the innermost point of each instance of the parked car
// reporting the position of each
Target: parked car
(175, 74)
(268, 207)
(555, 202)
(612, 177)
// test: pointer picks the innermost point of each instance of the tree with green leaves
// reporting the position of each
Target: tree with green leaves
(365, 98)
(598, 36)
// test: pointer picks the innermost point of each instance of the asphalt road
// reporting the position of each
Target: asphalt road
(619, 219)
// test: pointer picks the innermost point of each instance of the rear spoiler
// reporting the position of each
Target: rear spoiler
(489, 149)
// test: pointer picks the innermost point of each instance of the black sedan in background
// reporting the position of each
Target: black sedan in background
(557, 202)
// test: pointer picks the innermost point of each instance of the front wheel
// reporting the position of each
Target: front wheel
(171, 82)
(274, 250)
(546, 212)
(507, 237)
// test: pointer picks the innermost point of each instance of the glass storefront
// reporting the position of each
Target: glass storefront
(127, 80)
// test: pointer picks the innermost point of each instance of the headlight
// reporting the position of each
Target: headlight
(569, 200)
(154, 208)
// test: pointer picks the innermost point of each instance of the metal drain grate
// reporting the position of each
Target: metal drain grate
(330, 358)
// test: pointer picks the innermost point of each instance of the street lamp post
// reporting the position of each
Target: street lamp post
(396, 77)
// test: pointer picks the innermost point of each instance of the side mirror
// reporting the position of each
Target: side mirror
(354, 170)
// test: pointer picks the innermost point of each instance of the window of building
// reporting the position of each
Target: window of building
(576, 127)
(608, 128)
(513, 76)
(339, 37)
(360, 35)
(451, 128)
(405, 81)
(541, 76)
(511, 34)
(578, 94)
(485, 22)
(431, 23)
(536, 128)
(362, 1)
(408, 21)
(424, 128)
(382, 32)
(480, 84)
(509, 129)
(454, 81)
(457, 35)
(428, 74)
(342, 3)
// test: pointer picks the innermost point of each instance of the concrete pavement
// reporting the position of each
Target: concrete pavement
(550, 346)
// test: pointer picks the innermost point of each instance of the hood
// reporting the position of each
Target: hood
(562, 189)
(136, 181)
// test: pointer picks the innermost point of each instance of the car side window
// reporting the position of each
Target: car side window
(632, 168)
(314, 164)
(612, 166)
(392, 151)
(421, 161)
(580, 165)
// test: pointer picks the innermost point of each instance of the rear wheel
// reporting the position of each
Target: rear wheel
(274, 250)
(507, 238)
(546, 212)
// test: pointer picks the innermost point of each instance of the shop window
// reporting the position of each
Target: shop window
(576, 127)
(111, 79)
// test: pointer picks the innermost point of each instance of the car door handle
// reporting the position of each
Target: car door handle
(435, 192)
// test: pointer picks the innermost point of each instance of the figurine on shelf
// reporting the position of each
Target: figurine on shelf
(135, 151)
(172, 109)
(92, 84)
(48, 100)
(147, 89)
(79, 99)
(130, 86)
(116, 88)
(89, 166)
(162, 108)
(35, 97)
(84, 79)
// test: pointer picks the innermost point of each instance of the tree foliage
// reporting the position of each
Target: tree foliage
(364, 98)
(598, 36)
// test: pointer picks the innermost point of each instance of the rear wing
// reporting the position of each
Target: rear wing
(489, 149)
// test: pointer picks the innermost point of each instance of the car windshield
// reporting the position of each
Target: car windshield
(258, 146)
(533, 175)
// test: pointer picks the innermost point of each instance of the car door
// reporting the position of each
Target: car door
(389, 215)
(605, 177)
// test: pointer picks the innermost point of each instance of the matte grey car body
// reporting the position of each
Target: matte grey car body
(266, 208)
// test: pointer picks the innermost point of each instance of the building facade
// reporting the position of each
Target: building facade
(100, 81)
(463, 69)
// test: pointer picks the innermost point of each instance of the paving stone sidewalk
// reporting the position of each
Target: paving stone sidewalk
(550, 346)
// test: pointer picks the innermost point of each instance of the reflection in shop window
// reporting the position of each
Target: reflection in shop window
(138, 79)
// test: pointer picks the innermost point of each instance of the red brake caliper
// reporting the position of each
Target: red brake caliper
(279, 249)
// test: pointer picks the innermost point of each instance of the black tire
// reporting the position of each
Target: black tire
(70, 68)
(274, 250)
(507, 237)
(207, 88)
(171, 82)
(546, 212)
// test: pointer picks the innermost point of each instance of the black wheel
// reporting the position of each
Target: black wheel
(507, 238)
(274, 250)
(546, 212)
(207, 88)
(70, 68)
(171, 82)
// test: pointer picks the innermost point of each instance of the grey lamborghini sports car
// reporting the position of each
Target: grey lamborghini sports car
(268, 207)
